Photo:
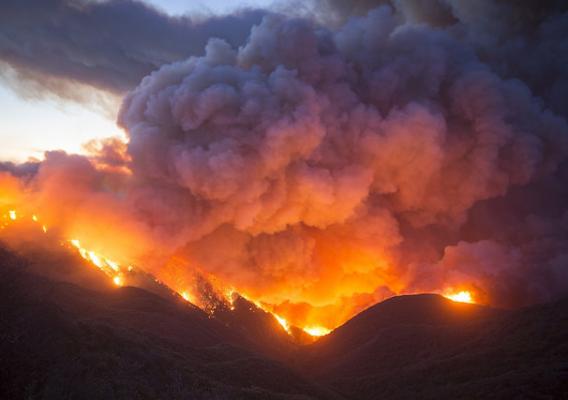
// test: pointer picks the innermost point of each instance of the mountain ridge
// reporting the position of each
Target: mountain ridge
(62, 340)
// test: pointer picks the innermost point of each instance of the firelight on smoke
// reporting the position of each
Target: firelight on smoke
(115, 270)
(106, 265)
(317, 180)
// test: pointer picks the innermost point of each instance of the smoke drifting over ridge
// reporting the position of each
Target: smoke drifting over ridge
(50, 46)
(322, 169)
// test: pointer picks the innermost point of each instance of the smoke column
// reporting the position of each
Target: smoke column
(321, 168)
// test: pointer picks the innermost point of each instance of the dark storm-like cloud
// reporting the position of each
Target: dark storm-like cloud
(442, 12)
(110, 44)
(519, 39)
(23, 170)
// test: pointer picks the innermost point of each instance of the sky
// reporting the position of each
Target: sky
(31, 126)
(176, 7)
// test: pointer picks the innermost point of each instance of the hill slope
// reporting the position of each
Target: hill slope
(85, 338)
(60, 340)
(428, 347)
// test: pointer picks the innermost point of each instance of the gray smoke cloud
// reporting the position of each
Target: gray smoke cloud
(47, 45)
(518, 39)
(335, 165)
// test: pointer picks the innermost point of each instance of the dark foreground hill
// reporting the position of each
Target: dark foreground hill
(427, 347)
(64, 340)
(59, 340)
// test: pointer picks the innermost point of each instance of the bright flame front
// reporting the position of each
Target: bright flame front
(118, 274)
(317, 331)
(282, 322)
(109, 267)
(462, 296)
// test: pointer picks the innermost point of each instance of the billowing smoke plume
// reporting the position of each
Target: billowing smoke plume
(517, 39)
(321, 169)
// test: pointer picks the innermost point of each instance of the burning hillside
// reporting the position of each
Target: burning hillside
(205, 292)
(224, 304)
(101, 341)
(329, 162)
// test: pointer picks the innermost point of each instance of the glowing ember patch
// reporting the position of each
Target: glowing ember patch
(316, 330)
(282, 322)
(112, 264)
(104, 264)
(229, 296)
(84, 254)
(95, 259)
(461, 297)
(109, 267)
(186, 296)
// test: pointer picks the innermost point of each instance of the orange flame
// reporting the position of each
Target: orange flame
(187, 296)
(463, 296)
(282, 322)
(109, 267)
(286, 318)
(316, 331)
